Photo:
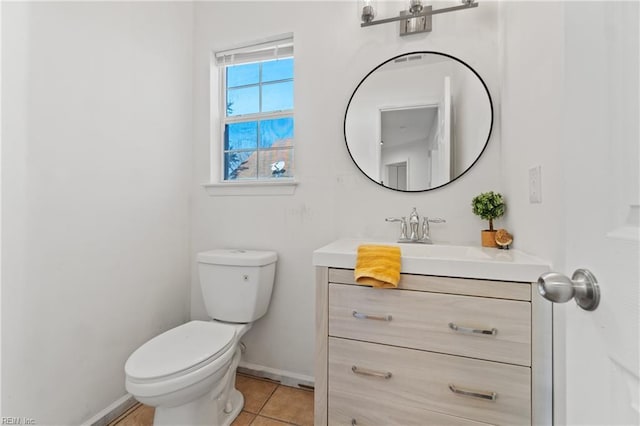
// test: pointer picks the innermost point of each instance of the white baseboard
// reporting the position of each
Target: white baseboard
(112, 412)
(287, 378)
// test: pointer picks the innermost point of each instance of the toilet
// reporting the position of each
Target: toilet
(188, 373)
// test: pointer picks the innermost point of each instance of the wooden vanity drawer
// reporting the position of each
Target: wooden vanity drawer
(422, 384)
(345, 407)
(446, 323)
(462, 286)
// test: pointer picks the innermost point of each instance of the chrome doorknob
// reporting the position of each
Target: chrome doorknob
(582, 286)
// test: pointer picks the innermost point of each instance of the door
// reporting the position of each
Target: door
(397, 175)
(601, 154)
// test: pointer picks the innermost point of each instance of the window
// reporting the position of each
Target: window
(257, 105)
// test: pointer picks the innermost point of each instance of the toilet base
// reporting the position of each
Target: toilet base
(219, 407)
(237, 401)
(202, 411)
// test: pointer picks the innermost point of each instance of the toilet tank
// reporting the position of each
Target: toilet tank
(236, 284)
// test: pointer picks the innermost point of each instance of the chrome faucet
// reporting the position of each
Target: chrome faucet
(418, 236)
(426, 231)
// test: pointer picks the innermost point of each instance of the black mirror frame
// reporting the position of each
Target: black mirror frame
(416, 53)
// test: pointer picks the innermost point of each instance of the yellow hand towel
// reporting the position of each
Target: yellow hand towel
(378, 266)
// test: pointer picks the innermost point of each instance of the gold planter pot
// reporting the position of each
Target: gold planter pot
(489, 238)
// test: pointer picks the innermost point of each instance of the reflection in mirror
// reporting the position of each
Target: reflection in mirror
(418, 121)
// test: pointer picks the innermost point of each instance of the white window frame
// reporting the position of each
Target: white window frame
(279, 47)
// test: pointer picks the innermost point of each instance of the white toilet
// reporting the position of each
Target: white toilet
(188, 372)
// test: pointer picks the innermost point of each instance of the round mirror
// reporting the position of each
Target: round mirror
(418, 121)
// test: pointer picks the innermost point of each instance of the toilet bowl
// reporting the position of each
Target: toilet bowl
(188, 372)
(188, 366)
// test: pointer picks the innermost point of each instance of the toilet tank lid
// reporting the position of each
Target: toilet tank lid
(238, 257)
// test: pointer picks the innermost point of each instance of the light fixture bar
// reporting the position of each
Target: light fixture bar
(425, 13)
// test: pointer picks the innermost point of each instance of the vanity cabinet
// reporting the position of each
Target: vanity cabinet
(436, 350)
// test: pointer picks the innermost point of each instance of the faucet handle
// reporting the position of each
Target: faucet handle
(403, 225)
(426, 232)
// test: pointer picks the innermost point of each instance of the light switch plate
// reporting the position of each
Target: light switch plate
(535, 185)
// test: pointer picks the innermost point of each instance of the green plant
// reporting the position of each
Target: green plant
(488, 205)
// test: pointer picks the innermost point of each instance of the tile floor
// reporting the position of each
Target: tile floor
(266, 403)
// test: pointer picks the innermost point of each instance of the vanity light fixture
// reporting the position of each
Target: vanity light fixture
(413, 21)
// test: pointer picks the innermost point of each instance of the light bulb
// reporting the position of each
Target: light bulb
(415, 6)
(367, 10)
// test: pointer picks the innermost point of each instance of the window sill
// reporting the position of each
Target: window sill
(280, 187)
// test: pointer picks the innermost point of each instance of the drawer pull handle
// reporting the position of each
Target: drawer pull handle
(374, 373)
(455, 327)
(490, 396)
(360, 315)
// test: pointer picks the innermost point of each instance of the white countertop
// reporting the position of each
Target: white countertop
(442, 260)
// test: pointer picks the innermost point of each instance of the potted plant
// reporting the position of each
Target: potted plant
(488, 205)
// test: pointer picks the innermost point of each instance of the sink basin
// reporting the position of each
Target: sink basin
(442, 260)
(442, 251)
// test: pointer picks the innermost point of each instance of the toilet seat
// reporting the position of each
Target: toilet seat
(180, 357)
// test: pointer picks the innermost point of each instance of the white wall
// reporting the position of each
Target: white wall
(96, 165)
(532, 62)
(333, 199)
(1, 7)
(531, 111)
